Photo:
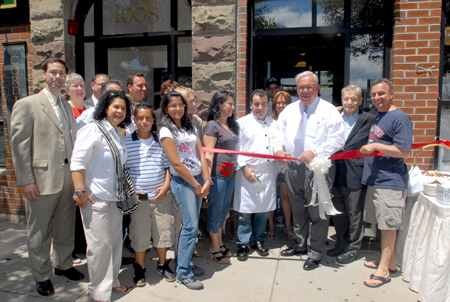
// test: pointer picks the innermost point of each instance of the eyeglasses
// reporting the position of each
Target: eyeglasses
(175, 106)
(309, 87)
(99, 84)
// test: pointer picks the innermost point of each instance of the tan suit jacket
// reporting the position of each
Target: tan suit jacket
(38, 143)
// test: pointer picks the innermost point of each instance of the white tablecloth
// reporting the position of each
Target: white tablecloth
(426, 261)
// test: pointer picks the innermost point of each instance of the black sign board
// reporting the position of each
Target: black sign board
(15, 73)
(14, 12)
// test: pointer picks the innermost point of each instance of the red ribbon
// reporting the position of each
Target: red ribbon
(343, 155)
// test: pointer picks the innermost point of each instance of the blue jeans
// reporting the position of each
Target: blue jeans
(189, 205)
(219, 200)
(248, 235)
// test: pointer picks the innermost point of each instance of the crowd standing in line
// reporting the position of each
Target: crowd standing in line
(56, 165)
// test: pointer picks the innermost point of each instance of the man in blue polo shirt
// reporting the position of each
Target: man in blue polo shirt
(386, 176)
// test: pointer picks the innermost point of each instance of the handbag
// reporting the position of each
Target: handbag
(126, 195)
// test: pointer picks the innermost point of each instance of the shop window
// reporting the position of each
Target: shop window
(366, 62)
(282, 14)
(184, 15)
(367, 13)
(330, 12)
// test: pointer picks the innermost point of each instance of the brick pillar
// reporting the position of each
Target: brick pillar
(416, 45)
(241, 61)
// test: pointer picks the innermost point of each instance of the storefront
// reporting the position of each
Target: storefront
(238, 45)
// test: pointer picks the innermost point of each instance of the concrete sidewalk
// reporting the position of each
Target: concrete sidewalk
(272, 278)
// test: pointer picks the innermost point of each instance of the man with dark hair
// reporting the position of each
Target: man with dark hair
(137, 87)
(43, 131)
(273, 85)
(98, 81)
(255, 177)
(348, 192)
(309, 128)
(386, 176)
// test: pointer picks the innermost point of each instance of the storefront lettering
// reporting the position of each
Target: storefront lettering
(14, 72)
(140, 12)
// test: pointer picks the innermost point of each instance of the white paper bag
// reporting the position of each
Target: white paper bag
(416, 182)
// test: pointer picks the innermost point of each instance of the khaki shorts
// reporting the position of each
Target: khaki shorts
(154, 220)
(385, 207)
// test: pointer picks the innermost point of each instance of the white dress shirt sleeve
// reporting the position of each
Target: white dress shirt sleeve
(335, 137)
(87, 138)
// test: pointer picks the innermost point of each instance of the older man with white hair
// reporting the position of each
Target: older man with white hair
(307, 129)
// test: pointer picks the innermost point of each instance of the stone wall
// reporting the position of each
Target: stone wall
(415, 49)
(213, 49)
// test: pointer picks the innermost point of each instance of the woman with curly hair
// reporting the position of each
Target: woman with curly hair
(221, 132)
(187, 164)
(95, 181)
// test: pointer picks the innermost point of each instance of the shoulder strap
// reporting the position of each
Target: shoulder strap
(114, 150)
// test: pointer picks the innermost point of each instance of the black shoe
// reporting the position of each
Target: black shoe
(310, 264)
(334, 252)
(139, 275)
(45, 288)
(289, 252)
(242, 253)
(127, 260)
(71, 274)
(346, 258)
(260, 249)
(165, 270)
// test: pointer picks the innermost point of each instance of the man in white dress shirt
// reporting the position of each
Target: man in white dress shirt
(255, 178)
(308, 128)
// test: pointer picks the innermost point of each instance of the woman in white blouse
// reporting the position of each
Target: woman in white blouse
(95, 181)
(187, 164)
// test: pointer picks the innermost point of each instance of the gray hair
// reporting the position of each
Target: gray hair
(384, 80)
(352, 88)
(72, 77)
(305, 74)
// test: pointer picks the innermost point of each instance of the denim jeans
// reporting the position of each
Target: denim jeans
(189, 205)
(219, 200)
(248, 235)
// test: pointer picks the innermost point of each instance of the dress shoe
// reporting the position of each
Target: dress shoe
(71, 274)
(45, 288)
(310, 264)
(260, 249)
(242, 253)
(346, 258)
(127, 260)
(334, 252)
(289, 252)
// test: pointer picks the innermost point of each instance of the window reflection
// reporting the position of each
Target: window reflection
(282, 14)
(367, 13)
(184, 15)
(330, 12)
(135, 16)
(366, 61)
(446, 75)
(444, 154)
(185, 61)
(89, 66)
(89, 23)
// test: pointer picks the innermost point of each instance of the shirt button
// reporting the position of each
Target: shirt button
(62, 164)
(62, 150)
(267, 147)
(268, 160)
(266, 134)
(62, 136)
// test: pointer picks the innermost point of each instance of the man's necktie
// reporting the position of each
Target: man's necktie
(301, 134)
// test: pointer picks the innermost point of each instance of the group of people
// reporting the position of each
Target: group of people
(69, 149)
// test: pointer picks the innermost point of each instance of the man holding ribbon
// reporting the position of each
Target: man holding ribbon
(43, 131)
(386, 176)
(310, 130)
(255, 177)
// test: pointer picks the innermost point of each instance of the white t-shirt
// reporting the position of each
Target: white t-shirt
(186, 143)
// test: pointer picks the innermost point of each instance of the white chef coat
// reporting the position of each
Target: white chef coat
(255, 136)
(324, 128)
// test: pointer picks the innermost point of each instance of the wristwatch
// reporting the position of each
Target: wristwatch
(78, 193)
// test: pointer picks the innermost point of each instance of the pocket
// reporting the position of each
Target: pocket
(393, 212)
(40, 163)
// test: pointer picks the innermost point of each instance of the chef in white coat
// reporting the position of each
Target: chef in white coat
(255, 191)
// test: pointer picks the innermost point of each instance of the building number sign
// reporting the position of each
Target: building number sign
(140, 12)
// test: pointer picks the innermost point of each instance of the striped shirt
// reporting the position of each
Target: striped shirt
(147, 164)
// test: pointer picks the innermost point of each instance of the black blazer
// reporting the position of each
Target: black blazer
(349, 171)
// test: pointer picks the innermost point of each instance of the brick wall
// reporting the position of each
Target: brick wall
(416, 45)
(241, 58)
(11, 201)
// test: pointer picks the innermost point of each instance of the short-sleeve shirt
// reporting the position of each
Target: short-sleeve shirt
(185, 143)
(389, 128)
(223, 163)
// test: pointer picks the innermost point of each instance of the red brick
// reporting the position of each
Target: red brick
(433, 88)
(429, 20)
(431, 95)
(414, 44)
(433, 4)
(404, 66)
(432, 103)
(417, 131)
(435, 12)
(411, 21)
(401, 37)
(429, 36)
(424, 125)
(417, 117)
(414, 103)
(397, 74)
(432, 118)
(399, 29)
(426, 110)
(418, 13)
(25, 35)
(242, 3)
(404, 51)
(404, 96)
(407, 110)
(434, 43)
(428, 51)
(405, 6)
(398, 59)
(423, 139)
(416, 59)
(417, 28)
(434, 59)
(430, 132)
(21, 29)
(399, 44)
(242, 23)
(415, 88)
(403, 81)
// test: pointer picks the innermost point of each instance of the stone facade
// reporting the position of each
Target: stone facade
(213, 49)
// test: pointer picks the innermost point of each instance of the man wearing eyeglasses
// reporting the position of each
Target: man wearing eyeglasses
(43, 131)
(306, 129)
(97, 83)
(348, 192)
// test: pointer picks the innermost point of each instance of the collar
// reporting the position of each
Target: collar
(94, 100)
(312, 107)
(108, 126)
(345, 117)
(135, 137)
(257, 119)
(50, 95)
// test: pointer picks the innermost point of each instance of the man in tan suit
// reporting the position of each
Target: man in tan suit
(43, 131)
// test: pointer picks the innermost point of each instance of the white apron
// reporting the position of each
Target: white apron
(256, 197)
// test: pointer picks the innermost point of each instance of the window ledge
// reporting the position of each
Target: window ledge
(2, 171)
